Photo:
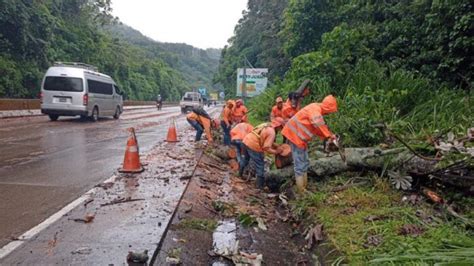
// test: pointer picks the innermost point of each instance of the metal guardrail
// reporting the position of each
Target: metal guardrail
(34, 104)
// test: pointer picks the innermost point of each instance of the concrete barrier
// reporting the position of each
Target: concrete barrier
(34, 104)
(19, 104)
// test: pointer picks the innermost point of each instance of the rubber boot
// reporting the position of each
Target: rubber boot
(260, 182)
(305, 179)
(300, 185)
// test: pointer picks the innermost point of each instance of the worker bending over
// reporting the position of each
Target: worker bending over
(202, 122)
(237, 135)
(239, 114)
(226, 120)
(301, 128)
(256, 143)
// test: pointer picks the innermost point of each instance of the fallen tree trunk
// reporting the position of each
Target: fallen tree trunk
(357, 159)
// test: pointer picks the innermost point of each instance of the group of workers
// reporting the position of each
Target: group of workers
(297, 126)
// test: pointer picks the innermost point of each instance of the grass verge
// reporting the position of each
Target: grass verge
(373, 223)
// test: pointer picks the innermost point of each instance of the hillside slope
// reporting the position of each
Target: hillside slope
(197, 66)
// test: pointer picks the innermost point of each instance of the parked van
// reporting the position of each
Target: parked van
(71, 89)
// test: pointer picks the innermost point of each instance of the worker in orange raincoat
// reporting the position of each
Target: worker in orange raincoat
(239, 113)
(226, 120)
(301, 128)
(256, 143)
(237, 135)
(291, 106)
(277, 110)
(202, 123)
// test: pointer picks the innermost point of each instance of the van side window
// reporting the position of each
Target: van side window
(99, 87)
(117, 90)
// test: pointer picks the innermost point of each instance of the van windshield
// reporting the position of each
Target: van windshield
(63, 84)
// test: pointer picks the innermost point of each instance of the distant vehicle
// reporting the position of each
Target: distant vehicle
(190, 100)
(71, 89)
(159, 102)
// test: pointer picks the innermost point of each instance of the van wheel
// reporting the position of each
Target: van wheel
(117, 113)
(95, 114)
(53, 117)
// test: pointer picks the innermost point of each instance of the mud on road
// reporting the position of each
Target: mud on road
(221, 213)
(128, 212)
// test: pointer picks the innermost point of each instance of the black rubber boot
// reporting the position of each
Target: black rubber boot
(260, 182)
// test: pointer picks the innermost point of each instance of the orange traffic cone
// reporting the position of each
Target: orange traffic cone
(131, 161)
(172, 136)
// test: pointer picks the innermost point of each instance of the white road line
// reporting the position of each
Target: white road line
(10, 247)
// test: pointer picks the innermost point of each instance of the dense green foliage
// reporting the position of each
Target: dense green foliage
(433, 38)
(405, 63)
(34, 34)
(255, 42)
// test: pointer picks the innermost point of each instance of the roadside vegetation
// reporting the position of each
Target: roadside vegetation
(402, 65)
(35, 34)
(372, 222)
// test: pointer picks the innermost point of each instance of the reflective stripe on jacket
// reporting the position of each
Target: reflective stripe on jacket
(306, 124)
(240, 131)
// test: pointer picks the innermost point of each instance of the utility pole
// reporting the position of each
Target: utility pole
(244, 84)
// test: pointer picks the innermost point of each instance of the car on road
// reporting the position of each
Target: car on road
(71, 89)
(189, 100)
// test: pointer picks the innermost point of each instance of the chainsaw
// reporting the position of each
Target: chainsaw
(335, 144)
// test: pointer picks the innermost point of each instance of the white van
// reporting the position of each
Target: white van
(71, 89)
(189, 100)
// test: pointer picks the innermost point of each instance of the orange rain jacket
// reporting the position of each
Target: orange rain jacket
(239, 114)
(276, 112)
(261, 138)
(205, 123)
(227, 113)
(309, 122)
(288, 111)
(240, 131)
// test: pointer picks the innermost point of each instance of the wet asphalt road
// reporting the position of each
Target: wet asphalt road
(45, 165)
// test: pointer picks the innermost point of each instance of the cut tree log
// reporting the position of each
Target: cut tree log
(234, 165)
(357, 159)
(282, 161)
(225, 152)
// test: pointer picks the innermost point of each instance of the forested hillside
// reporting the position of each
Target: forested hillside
(400, 62)
(197, 66)
(34, 34)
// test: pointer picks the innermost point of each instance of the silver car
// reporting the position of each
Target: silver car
(71, 89)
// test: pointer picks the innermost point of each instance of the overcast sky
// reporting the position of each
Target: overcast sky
(201, 23)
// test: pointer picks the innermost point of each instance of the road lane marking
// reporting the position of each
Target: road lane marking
(10, 247)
